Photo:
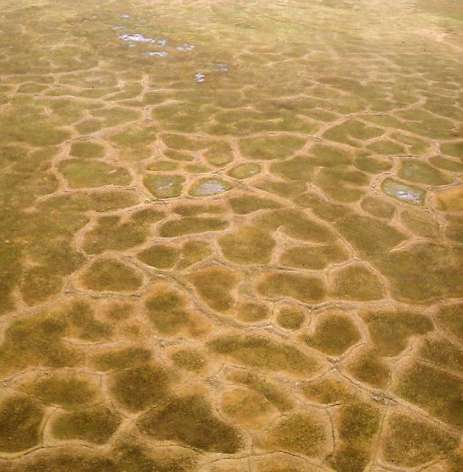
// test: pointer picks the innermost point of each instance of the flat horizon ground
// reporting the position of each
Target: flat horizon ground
(231, 235)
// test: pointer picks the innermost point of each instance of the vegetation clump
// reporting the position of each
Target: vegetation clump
(189, 359)
(410, 442)
(300, 433)
(264, 353)
(111, 275)
(215, 286)
(95, 425)
(333, 334)
(189, 420)
(139, 387)
(20, 420)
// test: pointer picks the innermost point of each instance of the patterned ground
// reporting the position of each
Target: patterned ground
(231, 235)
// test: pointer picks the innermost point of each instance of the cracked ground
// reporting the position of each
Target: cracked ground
(231, 235)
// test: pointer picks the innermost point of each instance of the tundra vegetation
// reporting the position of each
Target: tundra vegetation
(231, 235)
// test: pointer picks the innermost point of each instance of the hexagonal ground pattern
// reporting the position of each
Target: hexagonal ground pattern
(231, 235)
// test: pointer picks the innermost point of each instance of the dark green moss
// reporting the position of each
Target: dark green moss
(122, 359)
(189, 420)
(356, 282)
(111, 233)
(119, 311)
(264, 353)
(99, 201)
(96, 425)
(270, 147)
(368, 367)
(334, 334)
(304, 288)
(372, 165)
(162, 166)
(282, 188)
(353, 130)
(87, 150)
(85, 325)
(193, 252)
(378, 207)
(447, 164)
(215, 286)
(386, 147)
(313, 257)
(450, 318)
(297, 225)
(300, 168)
(414, 170)
(37, 341)
(10, 273)
(66, 461)
(421, 224)
(246, 407)
(327, 391)
(131, 457)
(166, 310)
(433, 390)
(453, 149)
(342, 184)
(369, 236)
(290, 317)
(27, 124)
(279, 398)
(442, 353)
(424, 271)
(245, 171)
(191, 225)
(138, 388)
(410, 442)
(189, 359)
(390, 331)
(357, 426)
(20, 420)
(300, 433)
(159, 256)
(195, 210)
(250, 203)
(67, 390)
(89, 173)
(39, 283)
(248, 245)
(250, 312)
(111, 275)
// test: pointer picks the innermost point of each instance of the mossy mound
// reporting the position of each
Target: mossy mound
(20, 420)
(111, 275)
(189, 420)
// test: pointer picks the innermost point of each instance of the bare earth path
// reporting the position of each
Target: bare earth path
(231, 235)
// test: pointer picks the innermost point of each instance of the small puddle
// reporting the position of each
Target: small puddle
(156, 53)
(403, 192)
(207, 187)
(164, 186)
(200, 77)
(140, 38)
(136, 38)
(186, 47)
(221, 67)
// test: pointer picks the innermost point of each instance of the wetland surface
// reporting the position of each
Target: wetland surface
(231, 235)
